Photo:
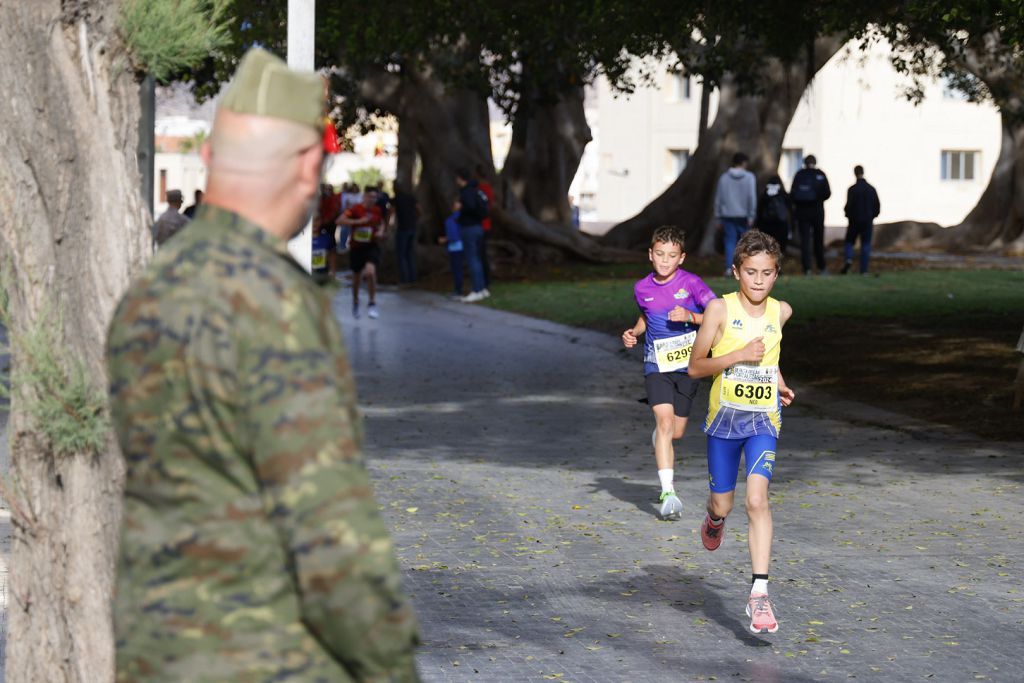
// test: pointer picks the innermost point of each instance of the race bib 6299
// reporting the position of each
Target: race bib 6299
(673, 353)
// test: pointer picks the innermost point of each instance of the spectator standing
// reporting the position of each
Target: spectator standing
(488, 190)
(809, 191)
(453, 241)
(574, 213)
(190, 211)
(407, 213)
(171, 220)
(384, 204)
(473, 209)
(252, 546)
(350, 196)
(775, 212)
(735, 204)
(862, 207)
(327, 214)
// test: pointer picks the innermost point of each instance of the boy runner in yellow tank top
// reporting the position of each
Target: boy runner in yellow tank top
(742, 332)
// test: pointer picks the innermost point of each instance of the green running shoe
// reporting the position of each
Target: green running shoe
(671, 506)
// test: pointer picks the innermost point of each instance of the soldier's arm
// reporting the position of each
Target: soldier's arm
(317, 492)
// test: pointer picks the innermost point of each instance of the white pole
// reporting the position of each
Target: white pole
(301, 24)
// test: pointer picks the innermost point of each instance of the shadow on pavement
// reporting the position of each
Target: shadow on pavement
(709, 602)
(538, 620)
(640, 495)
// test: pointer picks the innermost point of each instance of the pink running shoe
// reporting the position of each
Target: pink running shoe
(711, 535)
(762, 617)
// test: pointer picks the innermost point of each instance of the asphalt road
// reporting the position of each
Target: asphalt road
(513, 462)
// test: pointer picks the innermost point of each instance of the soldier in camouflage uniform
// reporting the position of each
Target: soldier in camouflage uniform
(252, 547)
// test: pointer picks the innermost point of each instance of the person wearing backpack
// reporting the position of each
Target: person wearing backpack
(862, 207)
(809, 191)
(474, 209)
(775, 212)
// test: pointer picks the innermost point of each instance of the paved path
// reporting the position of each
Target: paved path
(513, 463)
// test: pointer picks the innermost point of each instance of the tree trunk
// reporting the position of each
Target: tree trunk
(405, 166)
(452, 129)
(753, 124)
(536, 239)
(705, 111)
(997, 221)
(73, 231)
(449, 129)
(547, 145)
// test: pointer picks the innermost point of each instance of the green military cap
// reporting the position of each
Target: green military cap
(265, 86)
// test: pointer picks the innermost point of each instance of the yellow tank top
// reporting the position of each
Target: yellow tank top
(744, 397)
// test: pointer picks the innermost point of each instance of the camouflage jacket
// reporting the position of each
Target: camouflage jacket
(252, 548)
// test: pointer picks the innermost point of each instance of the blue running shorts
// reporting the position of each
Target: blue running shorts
(724, 459)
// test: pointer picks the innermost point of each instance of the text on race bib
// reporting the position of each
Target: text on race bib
(363, 233)
(673, 353)
(750, 387)
(319, 258)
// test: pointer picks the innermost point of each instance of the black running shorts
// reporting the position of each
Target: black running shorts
(677, 388)
(359, 256)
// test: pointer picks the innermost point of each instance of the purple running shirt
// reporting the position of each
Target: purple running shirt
(655, 300)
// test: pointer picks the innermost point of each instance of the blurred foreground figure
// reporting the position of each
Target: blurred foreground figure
(252, 548)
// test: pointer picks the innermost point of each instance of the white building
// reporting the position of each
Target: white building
(176, 164)
(929, 162)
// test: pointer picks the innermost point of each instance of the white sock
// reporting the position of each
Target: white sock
(667, 480)
(760, 586)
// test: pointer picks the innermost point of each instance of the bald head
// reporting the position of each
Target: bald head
(266, 169)
(255, 145)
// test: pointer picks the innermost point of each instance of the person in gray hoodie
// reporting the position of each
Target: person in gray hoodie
(735, 204)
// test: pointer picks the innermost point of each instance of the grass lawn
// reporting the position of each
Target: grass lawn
(934, 344)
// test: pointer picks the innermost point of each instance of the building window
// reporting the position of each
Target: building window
(588, 202)
(791, 162)
(958, 164)
(678, 87)
(675, 162)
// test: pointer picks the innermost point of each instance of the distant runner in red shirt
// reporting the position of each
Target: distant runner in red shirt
(366, 229)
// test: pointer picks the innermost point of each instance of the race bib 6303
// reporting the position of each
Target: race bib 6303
(750, 387)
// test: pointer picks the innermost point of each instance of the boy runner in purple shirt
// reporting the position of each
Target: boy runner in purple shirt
(671, 302)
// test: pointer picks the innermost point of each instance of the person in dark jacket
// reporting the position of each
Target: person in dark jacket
(775, 211)
(862, 207)
(809, 191)
(474, 210)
